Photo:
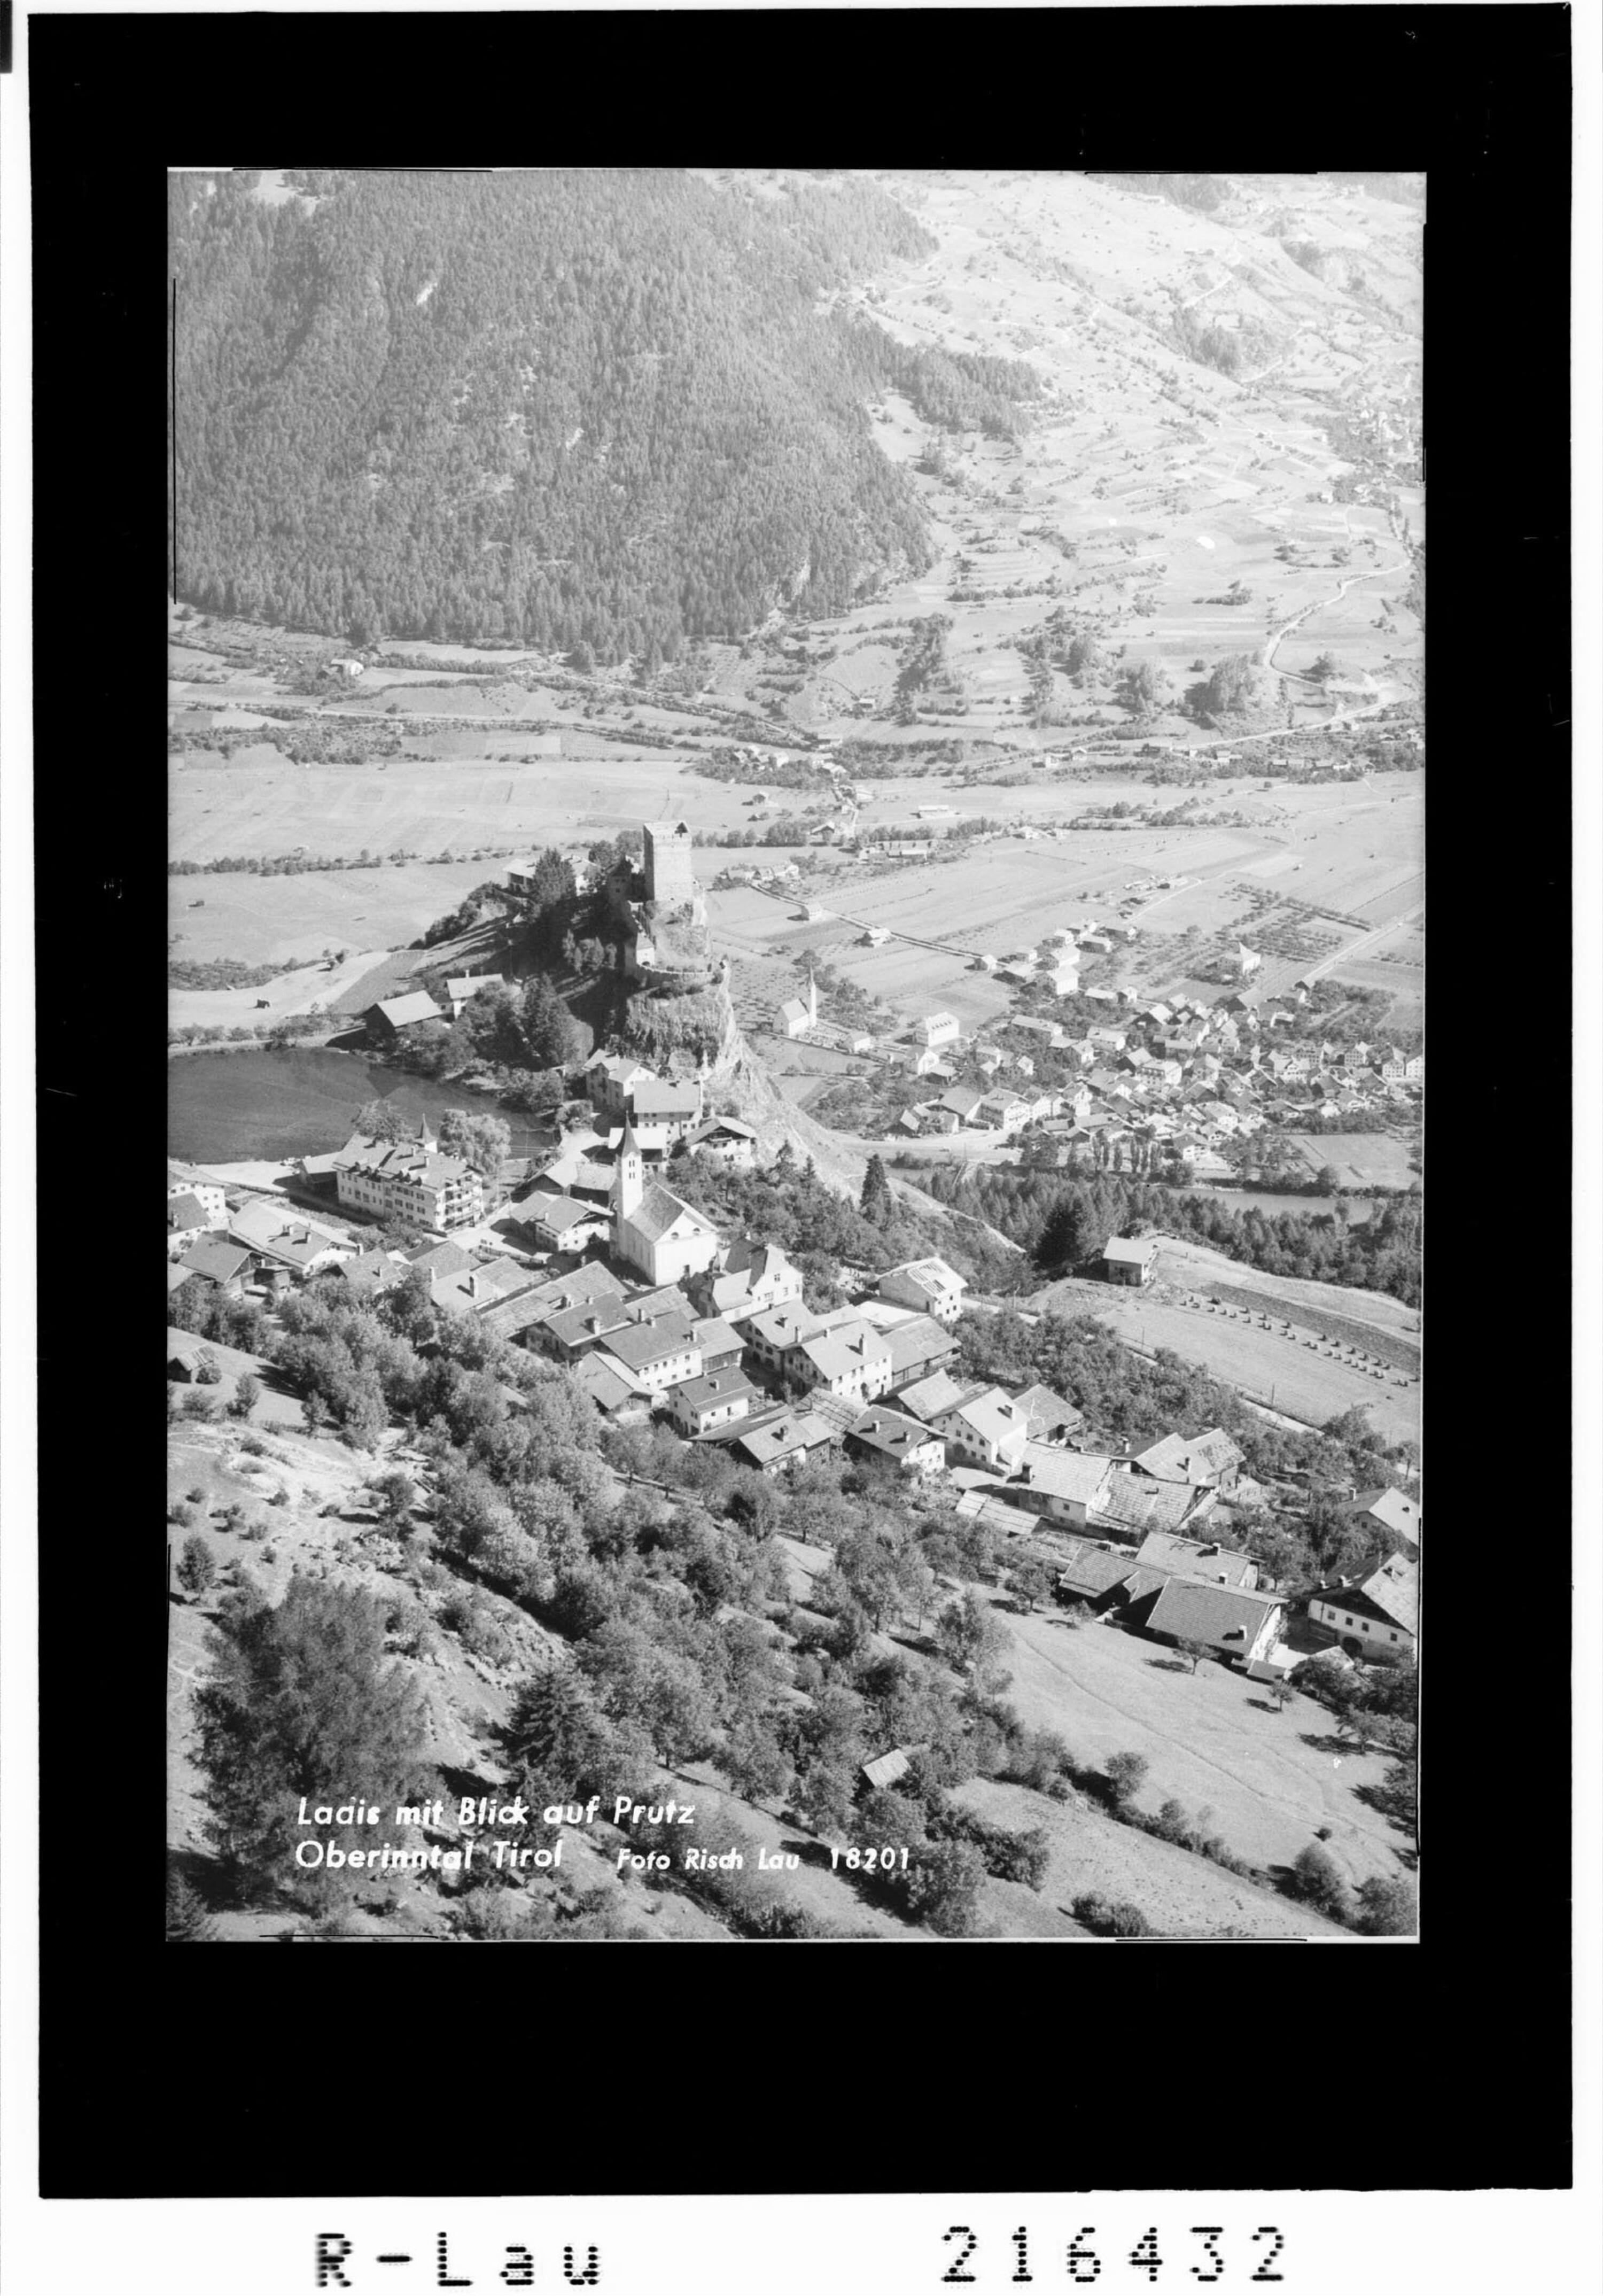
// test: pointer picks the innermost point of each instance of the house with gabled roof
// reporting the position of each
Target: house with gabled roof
(893, 1437)
(187, 1221)
(280, 1238)
(1390, 1510)
(564, 1224)
(987, 1429)
(614, 1394)
(928, 1398)
(610, 1080)
(1060, 1485)
(1375, 1618)
(1128, 1259)
(733, 1144)
(1100, 1578)
(781, 1442)
(217, 1260)
(745, 1279)
(927, 1285)
(1213, 1458)
(1047, 1414)
(917, 1347)
(852, 1360)
(393, 1018)
(1131, 1506)
(463, 987)
(714, 1399)
(1196, 1558)
(1230, 1622)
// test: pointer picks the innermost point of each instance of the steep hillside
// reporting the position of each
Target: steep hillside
(597, 409)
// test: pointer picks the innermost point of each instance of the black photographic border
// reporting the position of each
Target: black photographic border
(228, 2074)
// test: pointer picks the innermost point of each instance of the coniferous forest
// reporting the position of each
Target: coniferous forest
(608, 409)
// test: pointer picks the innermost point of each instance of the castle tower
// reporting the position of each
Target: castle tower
(628, 1177)
(669, 867)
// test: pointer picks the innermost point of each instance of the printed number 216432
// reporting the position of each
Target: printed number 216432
(1202, 2259)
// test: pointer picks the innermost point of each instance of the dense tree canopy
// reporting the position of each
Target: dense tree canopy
(592, 411)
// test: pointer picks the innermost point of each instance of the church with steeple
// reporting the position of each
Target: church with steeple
(654, 1232)
(799, 1015)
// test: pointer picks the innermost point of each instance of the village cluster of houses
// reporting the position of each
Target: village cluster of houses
(657, 1313)
(650, 1306)
(1160, 1081)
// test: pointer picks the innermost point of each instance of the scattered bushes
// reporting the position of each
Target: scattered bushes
(1093, 1912)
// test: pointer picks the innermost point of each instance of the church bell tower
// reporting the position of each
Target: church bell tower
(629, 1177)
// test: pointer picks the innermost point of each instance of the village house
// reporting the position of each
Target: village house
(906, 1443)
(1375, 1618)
(1061, 1485)
(745, 1279)
(671, 1110)
(918, 1346)
(1102, 1581)
(714, 1400)
(958, 1107)
(371, 1273)
(1129, 1260)
(286, 1242)
(928, 1398)
(987, 1430)
(563, 1224)
(1390, 1510)
(409, 1182)
(1230, 1622)
(188, 1180)
(1047, 1417)
(187, 1221)
(928, 1286)
(615, 1397)
(481, 1286)
(461, 989)
(733, 1144)
(393, 1021)
(1193, 1558)
(772, 1333)
(1003, 1113)
(938, 1028)
(1131, 1507)
(1210, 1458)
(849, 1359)
(779, 1444)
(657, 1353)
(215, 1260)
(723, 1348)
(610, 1080)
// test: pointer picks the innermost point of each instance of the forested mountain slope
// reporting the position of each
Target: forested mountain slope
(600, 408)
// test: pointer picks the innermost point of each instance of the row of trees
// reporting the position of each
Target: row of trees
(1065, 1223)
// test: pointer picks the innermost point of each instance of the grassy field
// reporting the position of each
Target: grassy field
(1362, 1159)
(267, 920)
(1299, 1374)
(1213, 1739)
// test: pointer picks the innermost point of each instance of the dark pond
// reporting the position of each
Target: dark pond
(224, 1107)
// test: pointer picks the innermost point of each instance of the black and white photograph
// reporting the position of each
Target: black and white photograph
(797, 1070)
(778, 960)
